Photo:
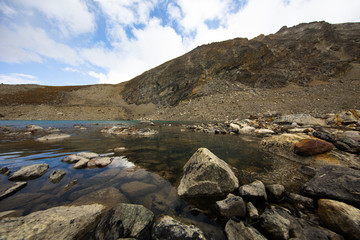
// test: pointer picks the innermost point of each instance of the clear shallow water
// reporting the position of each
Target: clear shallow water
(157, 166)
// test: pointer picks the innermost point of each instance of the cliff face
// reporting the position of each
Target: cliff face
(299, 55)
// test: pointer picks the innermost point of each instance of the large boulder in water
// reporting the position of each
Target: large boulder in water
(207, 175)
(29, 172)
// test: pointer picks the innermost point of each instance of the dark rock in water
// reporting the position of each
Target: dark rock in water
(136, 188)
(57, 175)
(324, 135)
(347, 144)
(232, 206)
(275, 192)
(206, 175)
(124, 221)
(310, 147)
(70, 184)
(167, 228)
(240, 231)
(106, 196)
(335, 182)
(3, 170)
(18, 186)
(65, 222)
(253, 191)
(340, 217)
(29, 172)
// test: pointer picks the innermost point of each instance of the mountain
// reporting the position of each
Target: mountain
(312, 67)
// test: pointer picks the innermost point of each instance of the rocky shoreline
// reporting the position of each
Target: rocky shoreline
(327, 207)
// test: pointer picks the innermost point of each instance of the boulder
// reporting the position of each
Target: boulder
(88, 155)
(234, 127)
(347, 144)
(56, 175)
(275, 192)
(73, 158)
(300, 119)
(247, 130)
(53, 137)
(340, 217)
(301, 202)
(16, 187)
(232, 206)
(239, 231)
(124, 221)
(82, 163)
(274, 226)
(325, 135)
(206, 175)
(346, 117)
(102, 161)
(29, 172)
(167, 228)
(65, 222)
(310, 147)
(252, 211)
(335, 182)
(264, 131)
(253, 191)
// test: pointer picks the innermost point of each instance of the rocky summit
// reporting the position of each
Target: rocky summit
(309, 68)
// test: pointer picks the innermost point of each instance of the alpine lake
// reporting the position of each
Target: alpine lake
(147, 172)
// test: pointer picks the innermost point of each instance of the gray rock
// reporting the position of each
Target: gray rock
(4, 170)
(324, 135)
(53, 137)
(82, 163)
(340, 217)
(347, 144)
(167, 228)
(301, 202)
(335, 182)
(252, 211)
(106, 196)
(301, 119)
(232, 206)
(273, 225)
(136, 188)
(240, 231)
(33, 127)
(275, 192)
(205, 174)
(73, 158)
(17, 186)
(57, 175)
(65, 222)
(253, 191)
(102, 161)
(124, 221)
(87, 154)
(29, 172)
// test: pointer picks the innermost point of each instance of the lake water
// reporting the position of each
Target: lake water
(151, 164)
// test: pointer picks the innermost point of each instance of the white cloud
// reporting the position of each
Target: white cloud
(24, 44)
(6, 10)
(71, 16)
(100, 76)
(18, 78)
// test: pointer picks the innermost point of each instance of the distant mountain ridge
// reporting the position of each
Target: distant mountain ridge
(300, 55)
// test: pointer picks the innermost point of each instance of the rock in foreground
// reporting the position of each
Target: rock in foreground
(340, 217)
(29, 172)
(206, 175)
(167, 228)
(335, 182)
(66, 222)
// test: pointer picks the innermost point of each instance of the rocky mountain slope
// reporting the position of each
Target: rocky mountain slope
(311, 68)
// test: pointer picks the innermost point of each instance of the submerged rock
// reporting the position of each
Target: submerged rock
(232, 206)
(53, 137)
(65, 222)
(310, 147)
(240, 231)
(253, 191)
(136, 188)
(205, 175)
(17, 187)
(340, 217)
(335, 182)
(124, 221)
(57, 175)
(106, 196)
(81, 163)
(167, 228)
(29, 172)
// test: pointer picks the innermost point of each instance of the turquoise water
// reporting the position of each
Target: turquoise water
(155, 161)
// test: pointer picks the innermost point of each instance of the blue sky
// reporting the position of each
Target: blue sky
(78, 42)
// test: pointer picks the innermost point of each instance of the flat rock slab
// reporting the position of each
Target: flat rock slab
(65, 222)
(56, 175)
(137, 188)
(53, 137)
(106, 196)
(18, 186)
(29, 172)
(335, 182)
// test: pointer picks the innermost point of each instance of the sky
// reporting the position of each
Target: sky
(80, 42)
